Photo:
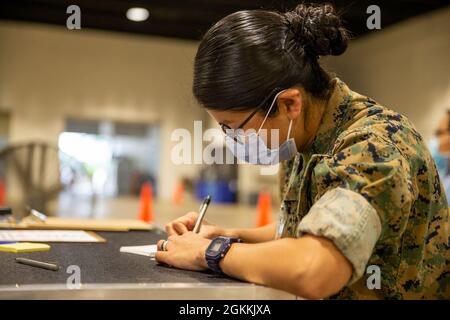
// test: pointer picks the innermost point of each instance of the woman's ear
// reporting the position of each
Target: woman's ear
(290, 101)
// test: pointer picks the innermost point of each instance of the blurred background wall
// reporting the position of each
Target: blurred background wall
(405, 67)
(48, 75)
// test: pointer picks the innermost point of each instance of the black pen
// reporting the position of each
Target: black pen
(201, 215)
(38, 264)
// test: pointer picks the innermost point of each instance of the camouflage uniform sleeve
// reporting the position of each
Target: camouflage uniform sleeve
(363, 196)
(347, 219)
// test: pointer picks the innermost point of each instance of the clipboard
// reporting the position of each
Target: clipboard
(58, 223)
(72, 236)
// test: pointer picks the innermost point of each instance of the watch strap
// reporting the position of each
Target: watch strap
(213, 263)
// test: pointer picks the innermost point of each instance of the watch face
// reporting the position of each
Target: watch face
(216, 245)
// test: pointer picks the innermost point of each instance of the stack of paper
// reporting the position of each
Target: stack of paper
(148, 251)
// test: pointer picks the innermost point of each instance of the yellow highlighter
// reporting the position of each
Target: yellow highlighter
(20, 247)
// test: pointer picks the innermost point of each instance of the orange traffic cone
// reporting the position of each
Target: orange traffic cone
(2, 194)
(146, 213)
(178, 193)
(264, 209)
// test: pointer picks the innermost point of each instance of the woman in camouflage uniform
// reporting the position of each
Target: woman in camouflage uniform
(360, 189)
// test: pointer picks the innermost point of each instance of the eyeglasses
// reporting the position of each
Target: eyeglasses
(234, 133)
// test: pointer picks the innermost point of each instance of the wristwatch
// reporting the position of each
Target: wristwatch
(217, 249)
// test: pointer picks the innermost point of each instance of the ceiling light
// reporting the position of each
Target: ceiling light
(137, 14)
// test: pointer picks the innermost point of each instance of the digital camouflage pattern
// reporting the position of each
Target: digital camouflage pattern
(376, 152)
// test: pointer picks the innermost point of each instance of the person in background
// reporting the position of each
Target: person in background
(440, 150)
(359, 188)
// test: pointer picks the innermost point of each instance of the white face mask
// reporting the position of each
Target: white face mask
(252, 148)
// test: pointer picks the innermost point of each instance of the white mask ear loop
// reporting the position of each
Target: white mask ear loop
(289, 130)
(268, 112)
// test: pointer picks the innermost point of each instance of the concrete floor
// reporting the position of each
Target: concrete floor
(229, 216)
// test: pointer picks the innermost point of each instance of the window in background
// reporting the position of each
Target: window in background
(117, 157)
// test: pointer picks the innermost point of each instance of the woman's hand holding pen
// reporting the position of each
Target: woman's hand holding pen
(187, 242)
(186, 223)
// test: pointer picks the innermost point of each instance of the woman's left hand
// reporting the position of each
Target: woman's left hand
(186, 251)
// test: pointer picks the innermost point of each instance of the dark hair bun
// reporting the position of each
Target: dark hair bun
(318, 29)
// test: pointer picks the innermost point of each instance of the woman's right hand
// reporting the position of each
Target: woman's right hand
(186, 223)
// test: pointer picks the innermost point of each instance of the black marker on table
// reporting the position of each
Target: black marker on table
(38, 264)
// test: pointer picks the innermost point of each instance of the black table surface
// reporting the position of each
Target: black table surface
(100, 263)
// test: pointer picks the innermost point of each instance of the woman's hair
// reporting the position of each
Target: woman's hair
(250, 55)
